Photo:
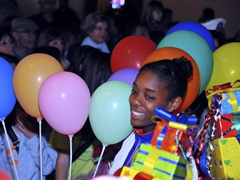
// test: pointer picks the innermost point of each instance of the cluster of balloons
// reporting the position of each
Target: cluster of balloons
(44, 90)
(188, 39)
(110, 110)
(197, 41)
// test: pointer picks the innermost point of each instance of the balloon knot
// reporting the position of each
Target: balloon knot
(2, 119)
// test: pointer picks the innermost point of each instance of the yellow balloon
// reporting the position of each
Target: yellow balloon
(217, 77)
(225, 65)
(28, 77)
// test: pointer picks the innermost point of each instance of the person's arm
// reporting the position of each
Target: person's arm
(62, 166)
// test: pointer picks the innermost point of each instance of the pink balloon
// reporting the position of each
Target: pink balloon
(127, 75)
(64, 101)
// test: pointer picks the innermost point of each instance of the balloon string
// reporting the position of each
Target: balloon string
(14, 164)
(201, 143)
(39, 120)
(70, 161)
(100, 158)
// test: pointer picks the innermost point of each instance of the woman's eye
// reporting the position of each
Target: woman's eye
(149, 97)
(134, 91)
(3, 43)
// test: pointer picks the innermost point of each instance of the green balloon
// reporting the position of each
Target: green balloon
(197, 48)
(110, 112)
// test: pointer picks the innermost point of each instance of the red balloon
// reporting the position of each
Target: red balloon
(143, 176)
(130, 52)
(4, 175)
(118, 172)
(193, 82)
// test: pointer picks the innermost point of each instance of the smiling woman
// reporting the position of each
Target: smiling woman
(158, 84)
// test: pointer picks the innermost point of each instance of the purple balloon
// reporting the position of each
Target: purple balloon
(127, 75)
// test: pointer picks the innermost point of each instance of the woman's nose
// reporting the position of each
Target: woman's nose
(136, 100)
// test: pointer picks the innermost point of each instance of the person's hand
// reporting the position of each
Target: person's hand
(24, 125)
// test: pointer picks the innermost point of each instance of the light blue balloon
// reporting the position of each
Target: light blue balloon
(7, 95)
(197, 48)
(109, 114)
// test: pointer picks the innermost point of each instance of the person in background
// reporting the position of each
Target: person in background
(22, 132)
(24, 32)
(158, 84)
(137, 28)
(79, 58)
(217, 29)
(237, 36)
(11, 59)
(52, 51)
(208, 14)
(55, 38)
(96, 27)
(8, 10)
(168, 22)
(153, 16)
(45, 16)
(93, 66)
(6, 43)
(65, 18)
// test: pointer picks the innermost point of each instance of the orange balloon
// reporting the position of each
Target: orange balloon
(28, 77)
(193, 81)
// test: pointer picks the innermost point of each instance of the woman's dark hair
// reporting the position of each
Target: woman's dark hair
(49, 34)
(11, 119)
(79, 58)
(96, 69)
(52, 51)
(4, 33)
(152, 6)
(173, 73)
(9, 58)
(93, 66)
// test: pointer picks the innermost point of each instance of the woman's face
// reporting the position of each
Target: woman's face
(147, 94)
(6, 45)
(57, 43)
(157, 15)
(100, 33)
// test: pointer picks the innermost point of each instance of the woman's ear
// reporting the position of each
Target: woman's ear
(174, 104)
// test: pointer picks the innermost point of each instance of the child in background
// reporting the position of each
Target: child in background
(162, 83)
(24, 141)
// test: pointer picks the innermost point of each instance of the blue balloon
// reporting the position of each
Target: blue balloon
(197, 28)
(7, 95)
